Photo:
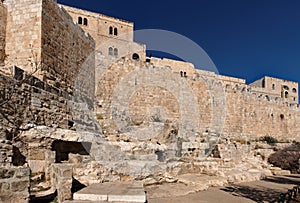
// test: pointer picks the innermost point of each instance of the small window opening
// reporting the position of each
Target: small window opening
(116, 52)
(286, 94)
(110, 51)
(80, 20)
(70, 124)
(286, 87)
(148, 60)
(135, 56)
(184, 74)
(281, 116)
(110, 30)
(181, 73)
(294, 90)
(85, 22)
(273, 86)
(263, 83)
(116, 31)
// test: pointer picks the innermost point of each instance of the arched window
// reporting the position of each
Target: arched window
(294, 90)
(116, 52)
(135, 56)
(116, 31)
(110, 51)
(286, 94)
(273, 86)
(110, 30)
(85, 21)
(80, 20)
(263, 83)
(286, 87)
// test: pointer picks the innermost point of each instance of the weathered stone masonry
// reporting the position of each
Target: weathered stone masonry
(3, 16)
(45, 107)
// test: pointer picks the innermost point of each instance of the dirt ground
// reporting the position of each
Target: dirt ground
(267, 190)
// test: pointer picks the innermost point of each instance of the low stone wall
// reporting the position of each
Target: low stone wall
(14, 184)
(61, 179)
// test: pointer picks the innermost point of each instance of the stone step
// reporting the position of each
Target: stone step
(112, 192)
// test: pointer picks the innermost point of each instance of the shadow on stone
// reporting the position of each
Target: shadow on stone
(45, 199)
(76, 186)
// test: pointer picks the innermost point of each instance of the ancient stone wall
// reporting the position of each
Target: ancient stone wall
(61, 179)
(3, 17)
(14, 184)
(225, 105)
(28, 100)
(67, 51)
(23, 33)
(255, 115)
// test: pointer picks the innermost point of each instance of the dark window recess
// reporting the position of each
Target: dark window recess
(294, 90)
(181, 73)
(273, 86)
(116, 31)
(135, 56)
(286, 94)
(70, 124)
(148, 60)
(110, 30)
(85, 22)
(64, 148)
(80, 20)
(263, 83)
(116, 52)
(110, 51)
(281, 116)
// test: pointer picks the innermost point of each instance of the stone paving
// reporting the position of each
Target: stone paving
(267, 190)
(113, 192)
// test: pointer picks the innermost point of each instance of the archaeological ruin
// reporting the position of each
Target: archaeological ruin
(81, 103)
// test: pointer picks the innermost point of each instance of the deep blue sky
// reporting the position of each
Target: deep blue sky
(244, 38)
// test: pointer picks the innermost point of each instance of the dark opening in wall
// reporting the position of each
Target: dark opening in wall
(116, 52)
(70, 124)
(273, 86)
(286, 94)
(116, 31)
(285, 87)
(18, 159)
(148, 60)
(110, 30)
(110, 51)
(294, 90)
(63, 148)
(184, 74)
(80, 20)
(181, 73)
(135, 56)
(263, 83)
(281, 116)
(85, 21)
